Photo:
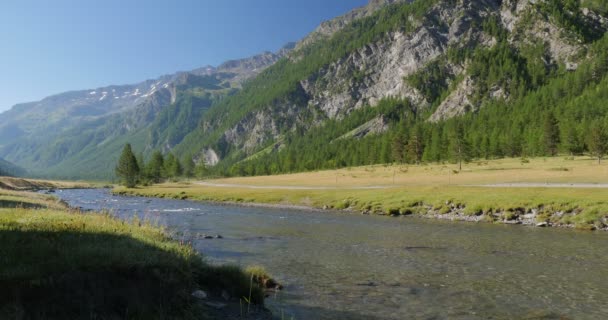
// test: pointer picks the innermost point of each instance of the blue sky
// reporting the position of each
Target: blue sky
(53, 46)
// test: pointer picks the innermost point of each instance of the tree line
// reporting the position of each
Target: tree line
(133, 170)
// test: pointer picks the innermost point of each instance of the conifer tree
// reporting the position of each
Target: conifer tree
(127, 169)
(154, 169)
(172, 166)
(459, 146)
(551, 134)
(598, 143)
(415, 145)
(189, 166)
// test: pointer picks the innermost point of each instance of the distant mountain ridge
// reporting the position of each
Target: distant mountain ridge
(45, 133)
(9, 169)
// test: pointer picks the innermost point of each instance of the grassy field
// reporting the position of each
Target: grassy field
(10, 183)
(556, 170)
(57, 263)
(432, 190)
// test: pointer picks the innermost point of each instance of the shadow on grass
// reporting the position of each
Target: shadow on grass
(81, 275)
(19, 204)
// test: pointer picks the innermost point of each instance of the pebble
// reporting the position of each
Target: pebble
(200, 294)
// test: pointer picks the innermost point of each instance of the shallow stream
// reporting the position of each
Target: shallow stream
(351, 266)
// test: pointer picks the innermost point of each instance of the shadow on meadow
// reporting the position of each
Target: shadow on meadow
(100, 275)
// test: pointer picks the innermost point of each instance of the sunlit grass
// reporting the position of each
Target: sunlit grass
(423, 189)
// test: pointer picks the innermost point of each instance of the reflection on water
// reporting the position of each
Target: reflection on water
(340, 266)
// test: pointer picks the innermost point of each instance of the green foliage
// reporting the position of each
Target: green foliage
(433, 80)
(598, 139)
(127, 168)
(567, 14)
(551, 134)
(155, 168)
(537, 121)
(172, 166)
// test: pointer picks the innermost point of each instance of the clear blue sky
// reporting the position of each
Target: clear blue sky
(53, 46)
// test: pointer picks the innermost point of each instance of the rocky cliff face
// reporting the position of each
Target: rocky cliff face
(380, 69)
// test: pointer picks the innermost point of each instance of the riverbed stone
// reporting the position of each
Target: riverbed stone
(542, 224)
(200, 294)
(216, 305)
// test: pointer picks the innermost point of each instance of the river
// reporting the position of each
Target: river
(352, 266)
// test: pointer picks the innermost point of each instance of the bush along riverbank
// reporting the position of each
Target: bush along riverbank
(58, 263)
(583, 209)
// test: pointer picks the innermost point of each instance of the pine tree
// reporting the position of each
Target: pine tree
(189, 166)
(127, 169)
(598, 143)
(415, 145)
(172, 166)
(154, 169)
(397, 148)
(551, 134)
(572, 143)
(458, 146)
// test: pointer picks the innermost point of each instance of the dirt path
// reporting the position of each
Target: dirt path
(246, 186)
(544, 185)
(496, 185)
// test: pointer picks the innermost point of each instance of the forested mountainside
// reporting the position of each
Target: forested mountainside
(80, 134)
(422, 81)
(395, 81)
(9, 169)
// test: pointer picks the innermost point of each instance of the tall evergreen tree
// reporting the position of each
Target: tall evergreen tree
(127, 169)
(415, 145)
(551, 134)
(458, 146)
(598, 140)
(572, 142)
(172, 166)
(189, 166)
(154, 169)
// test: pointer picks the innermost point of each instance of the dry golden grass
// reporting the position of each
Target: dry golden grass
(540, 170)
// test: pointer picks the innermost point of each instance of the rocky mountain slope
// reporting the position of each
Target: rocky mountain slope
(83, 130)
(446, 58)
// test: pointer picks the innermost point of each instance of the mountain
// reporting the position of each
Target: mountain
(77, 134)
(394, 81)
(398, 82)
(9, 169)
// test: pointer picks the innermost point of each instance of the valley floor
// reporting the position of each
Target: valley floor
(59, 263)
(560, 192)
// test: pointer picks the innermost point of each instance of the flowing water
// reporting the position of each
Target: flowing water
(350, 266)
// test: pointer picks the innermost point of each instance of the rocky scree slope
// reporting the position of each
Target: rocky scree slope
(421, 51)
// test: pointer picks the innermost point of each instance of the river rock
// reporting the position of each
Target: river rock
(225, 295)
(216, 305)
(200, 294)
(512, 222)
(219, 236)
(542, 224)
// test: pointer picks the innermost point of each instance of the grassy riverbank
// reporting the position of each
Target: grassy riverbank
(57, 263)
(436, 191)
(10, 183)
